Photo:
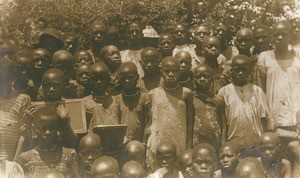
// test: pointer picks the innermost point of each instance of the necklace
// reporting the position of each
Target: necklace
(174, 88)
(137, 92)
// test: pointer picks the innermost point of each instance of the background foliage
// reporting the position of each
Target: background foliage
(22, 21)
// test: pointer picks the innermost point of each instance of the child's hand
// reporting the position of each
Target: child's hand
(63, 113)
(28, 114)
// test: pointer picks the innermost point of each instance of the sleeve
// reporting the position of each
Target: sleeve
(22, 161)
(261, 64)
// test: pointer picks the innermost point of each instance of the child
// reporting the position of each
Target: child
(166, 45)
(151, 59)
(133, 169)
(262, 39)
(201, 32)
(53, 88)
(244, 41)
(82, 76)
(222, 31)
(135, 151)
(71, 42)
(211, 48)
(186, 164)
(89, 151)
(134, 106)
(185, 60)
(249, 168)
(210, 122)
(23, 68)
(246, 107)
(110, 55)
(172, 107)
(100, 106)
(105, 166)
(41, 60)
(48, 155)
(83, 57)
(98, 37)
(271, 156)
(63, 60)
(229, 158)
(279, 73)
(134, 37)
(204, 161)
(182, 40)
(166, 161)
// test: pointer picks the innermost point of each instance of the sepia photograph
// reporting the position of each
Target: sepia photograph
(149, 89)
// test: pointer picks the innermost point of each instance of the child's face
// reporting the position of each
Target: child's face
(99, 80)
(134, 33)
(281, 36)
(240, 71)
(98, 33)
(186, 164)
(40, 61)
(66, 66)
(228, 159)
(113, 56)
(82, 74)
(53, 87)
(70, 44)
(203, 163)
(261, 39)
(150, 63)
(166, 158)
(212, 47)
(166, 45)
(88, 153)
(180, 35)
(170, 72)
(83, 58)
(200, 33)
(296, 27)
(129, 78)
(23, 68)
(269, 149)
(202, 78)
(185, 64)
(46, 129)
(244, 41)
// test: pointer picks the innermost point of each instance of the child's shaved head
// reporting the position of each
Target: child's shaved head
(250, 168)
(105, 166)
(132, 169)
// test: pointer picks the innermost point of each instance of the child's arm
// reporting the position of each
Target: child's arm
(190, 117)
(69, 135)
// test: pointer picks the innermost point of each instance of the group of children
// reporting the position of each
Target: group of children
(194, 104)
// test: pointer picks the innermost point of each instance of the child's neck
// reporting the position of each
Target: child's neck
(170, 86)
(151, 75)
(212, 62)
(98, 93)
(96, 48)
(21, 85)
(240, 84)
(282, 54)
(47, 147)
(134, 46)
(246, 53)
(185, 77)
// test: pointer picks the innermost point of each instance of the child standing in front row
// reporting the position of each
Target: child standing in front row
(245, 108)
(49, 156)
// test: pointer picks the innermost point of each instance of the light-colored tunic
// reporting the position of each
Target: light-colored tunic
(245, 106)
(168, 121)
(133, 56)
(282, 86)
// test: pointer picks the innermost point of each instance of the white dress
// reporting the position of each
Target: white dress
(282, 86)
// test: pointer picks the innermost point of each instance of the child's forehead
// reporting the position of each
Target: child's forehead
(82, 68)
(180, 27)
(23, 60)
(170, 65)
(204, 154)
(202, 28)
(111, 48)
(211, 40)
(245, 32)
(53, 77)
(46, 120)
(227, 149)
(202, 70)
